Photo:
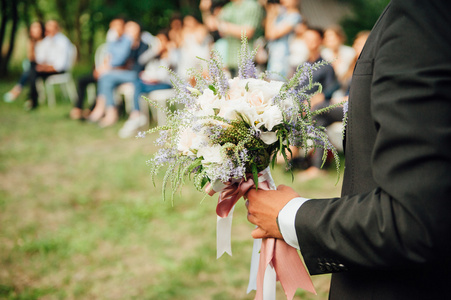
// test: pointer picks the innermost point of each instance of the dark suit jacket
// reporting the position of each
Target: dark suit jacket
(389, 235)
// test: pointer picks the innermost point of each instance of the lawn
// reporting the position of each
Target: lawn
(80, 218)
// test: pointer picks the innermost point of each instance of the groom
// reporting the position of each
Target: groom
(389, 235)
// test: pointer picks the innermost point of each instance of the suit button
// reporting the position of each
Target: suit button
(335, 267)
(328, 267)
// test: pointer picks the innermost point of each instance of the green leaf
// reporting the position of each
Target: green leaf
(204, 182)
(255, 175)
(213, 88)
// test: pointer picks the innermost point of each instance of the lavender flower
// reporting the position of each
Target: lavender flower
(165, 155)
(162, 139)
(345, 109)
(246, 67)
(217, 75)
(141, 134)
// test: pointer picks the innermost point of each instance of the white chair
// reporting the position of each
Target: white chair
(160, 97)
(335, 133)
(127, 92)
(65, 80)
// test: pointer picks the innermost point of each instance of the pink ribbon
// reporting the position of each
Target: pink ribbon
(289, 268)
(285, 259)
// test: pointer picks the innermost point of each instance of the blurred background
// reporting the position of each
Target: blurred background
(79, 215)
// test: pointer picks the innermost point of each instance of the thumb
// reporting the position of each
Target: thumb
(259, 233)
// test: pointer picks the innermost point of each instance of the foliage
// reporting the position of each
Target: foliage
(86, 21)
(364, 16)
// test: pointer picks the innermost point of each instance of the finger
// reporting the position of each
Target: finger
(252, 219)
(282, 187)
(251, 194)
(259, 233)
(247, 204)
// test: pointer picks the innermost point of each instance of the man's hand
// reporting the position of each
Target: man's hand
(263, 208)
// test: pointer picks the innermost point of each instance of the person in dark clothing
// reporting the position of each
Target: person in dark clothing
(387, 235)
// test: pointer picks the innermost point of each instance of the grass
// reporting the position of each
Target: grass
(80, 219)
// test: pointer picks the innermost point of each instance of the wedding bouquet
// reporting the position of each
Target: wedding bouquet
(229, 131)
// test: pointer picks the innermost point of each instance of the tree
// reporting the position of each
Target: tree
(9, 21)
(83, 20)
(365, 15)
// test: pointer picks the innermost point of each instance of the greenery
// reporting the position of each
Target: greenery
(364, 15)
(234, 119)
(83, 21)
(80, 218)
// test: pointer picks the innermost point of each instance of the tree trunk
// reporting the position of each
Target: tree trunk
(3, 27)
(12, 40)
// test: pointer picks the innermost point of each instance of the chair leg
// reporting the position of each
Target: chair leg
(161, 115)
(72, 91)
(144, 107)
(41, 91)
(50, 95)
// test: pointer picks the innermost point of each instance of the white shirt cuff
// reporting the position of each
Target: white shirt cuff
(287, 218)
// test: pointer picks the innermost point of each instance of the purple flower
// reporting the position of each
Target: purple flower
(162, 139)
(141, 134)
(218, 77)
(246, 67)
(164, 156)
(345, 108)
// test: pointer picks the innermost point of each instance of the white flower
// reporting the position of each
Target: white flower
(268, 89)
(199, 141)
(239, 109)
(287, 103)
(207, 98)
(237, 88)
(268, 137)
(271, 117)
(257, 100)
(211, 154)
(185, 141)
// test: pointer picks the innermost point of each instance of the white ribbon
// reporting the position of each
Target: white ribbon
(223, 234)
(224, 244)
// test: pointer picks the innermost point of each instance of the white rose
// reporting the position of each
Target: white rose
(185, 141)
(207, 97)
(236, 88)
(268, 137)
(237, 109)
(210, 154)
(268, 89)
(271, 117)
(257, 100)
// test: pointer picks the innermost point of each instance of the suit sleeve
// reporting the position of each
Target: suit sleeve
(404, 222)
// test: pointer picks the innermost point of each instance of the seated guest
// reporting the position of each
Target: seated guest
(336, 52)
(56, 59)
(36, 35)
(313, 38)
(325, 75)
(154, 77)
(115, 32)
(124, 68)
